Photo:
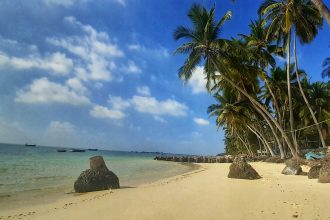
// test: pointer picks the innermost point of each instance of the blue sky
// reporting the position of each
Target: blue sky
(101, 73)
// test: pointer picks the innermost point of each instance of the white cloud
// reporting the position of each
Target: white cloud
(64, 3)
(201, 121)
(143, 90)
(153, 106)
(131, 67)
(76, 85)
(61, 133)
(160, 119)
(96, 51)
(157, 52)
(122, 2)
(57, 63)
(12, 132)
(118, 103)
(197, 82)
(103, 112)
(44, 91)
(60, 127)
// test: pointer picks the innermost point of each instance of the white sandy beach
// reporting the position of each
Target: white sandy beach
(205, 193)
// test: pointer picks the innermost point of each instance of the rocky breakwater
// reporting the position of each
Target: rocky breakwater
(98, 177)
(197, 159)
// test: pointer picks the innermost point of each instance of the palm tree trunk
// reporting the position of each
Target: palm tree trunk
(248, 143)
(280, 146)
(274, 98)
(262, 138)
(292, 149)
(323, 9)
(245, 145)
(303, 93)
(288, 78)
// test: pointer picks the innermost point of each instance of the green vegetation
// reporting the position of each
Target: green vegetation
(260, 104)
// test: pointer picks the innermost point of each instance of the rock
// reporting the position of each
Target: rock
(292, 162)
(324, 175)
(98, 177)
(292, 167)
(240, 169)
(314, 172)
(291, 170)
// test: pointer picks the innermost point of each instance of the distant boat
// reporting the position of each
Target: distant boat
(77, 150)
(61, 150)
(30, 145)
(93, 149)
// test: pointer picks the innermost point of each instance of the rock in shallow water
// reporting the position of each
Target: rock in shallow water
(97, 178)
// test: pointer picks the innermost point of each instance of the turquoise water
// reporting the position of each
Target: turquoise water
(35, 171)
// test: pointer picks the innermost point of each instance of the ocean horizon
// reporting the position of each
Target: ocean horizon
(33, 175)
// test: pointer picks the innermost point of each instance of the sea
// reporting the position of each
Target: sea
(35, 175)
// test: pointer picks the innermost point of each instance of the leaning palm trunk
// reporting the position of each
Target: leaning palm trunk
(262, 138)
(274, 98)
(255, 102)
(245, 145)
(303, 94)
(288, 48)
(323, 9)
(280, 146)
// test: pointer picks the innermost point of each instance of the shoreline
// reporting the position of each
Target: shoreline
(205, 193)
(12, 201)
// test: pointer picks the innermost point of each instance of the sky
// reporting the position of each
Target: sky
(102, 74)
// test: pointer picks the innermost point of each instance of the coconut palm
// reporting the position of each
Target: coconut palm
(318, 94)
(304, 19)
(204, 44)
(324, 10)
(235, 117)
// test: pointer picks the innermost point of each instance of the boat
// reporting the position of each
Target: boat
(77, 150)
(30, 145)
(61, 150)
(93, 149)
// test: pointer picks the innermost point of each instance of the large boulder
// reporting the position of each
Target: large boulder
(98, 177)
(292, 167)
(324, 175)
(314, 171)
(240, 169)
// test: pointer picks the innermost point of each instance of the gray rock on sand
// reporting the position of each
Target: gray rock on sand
(292, 167)
(240, 169)
(324, 175)
(314, 171)
(98, 177)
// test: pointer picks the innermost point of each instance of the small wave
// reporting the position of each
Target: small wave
(50, 177)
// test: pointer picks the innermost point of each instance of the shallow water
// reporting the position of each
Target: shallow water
(28, 174)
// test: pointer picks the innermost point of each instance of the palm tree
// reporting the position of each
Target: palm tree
(205, 45)
(323, 9)
(263, 49)
(235, 116)
(277, 14)
(302, 17)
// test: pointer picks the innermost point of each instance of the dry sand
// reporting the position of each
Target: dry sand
(205, 193)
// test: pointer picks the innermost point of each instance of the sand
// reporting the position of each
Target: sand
(205, 193)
